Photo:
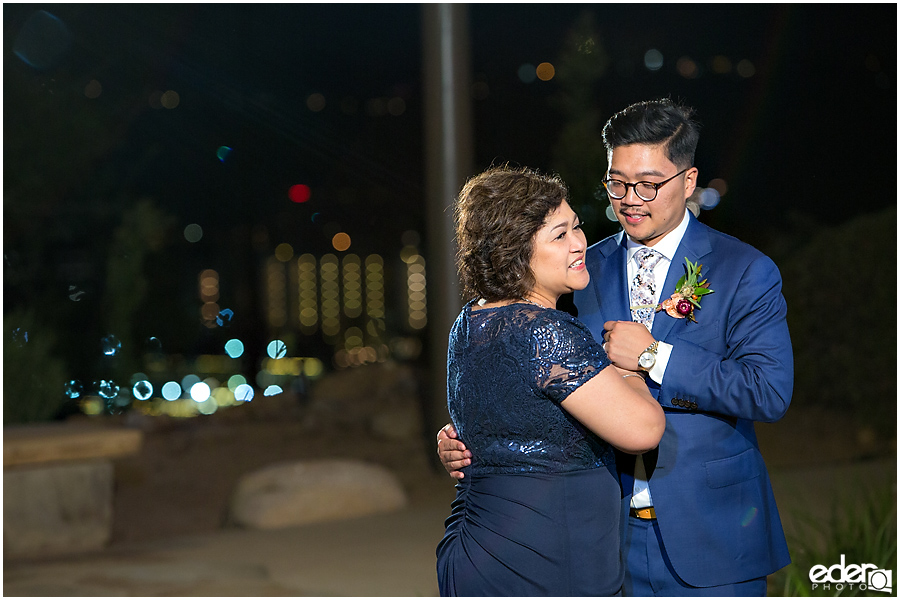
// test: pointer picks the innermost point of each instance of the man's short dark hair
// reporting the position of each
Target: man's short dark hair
(656, 122)
(498, 212)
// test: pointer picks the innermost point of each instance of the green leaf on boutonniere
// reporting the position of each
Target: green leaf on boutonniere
(687, 293)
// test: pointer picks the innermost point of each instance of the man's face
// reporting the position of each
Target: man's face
(649, 222)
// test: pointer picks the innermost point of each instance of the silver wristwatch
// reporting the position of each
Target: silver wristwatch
(647, 358)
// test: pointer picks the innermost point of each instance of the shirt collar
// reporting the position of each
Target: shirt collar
(667, 246)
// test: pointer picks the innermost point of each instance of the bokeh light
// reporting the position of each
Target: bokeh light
(376, 107)
(170, 99)
(284, 252)
(299, 193)
(687, 68)
(313, 367)
(223, 396)
(746, 69)
(110, 345)
(107, 388)
(208, 406)
(315, 102)
(153, 344)
(188, 381)
(142, 390)
(234, 348)
(193, 233)
(75, 294)
(709, 198)
(93, 89)
(610, 213)
(720, 185)
(276, 349)
(341, 241)
(273, 390)
(19, 336)
(653, 60)
(749, 516)
(74, 389)
(236, 380)
(171, 391)
(545, 71)
(223, 319)
(243, 393)
(223, 153)
(200, 391)
(721, 64)
(527, 73)
(42, 41)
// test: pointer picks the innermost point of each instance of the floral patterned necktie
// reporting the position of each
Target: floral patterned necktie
(643, 287)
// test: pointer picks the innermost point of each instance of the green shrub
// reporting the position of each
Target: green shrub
(33, 378)
(864, 531)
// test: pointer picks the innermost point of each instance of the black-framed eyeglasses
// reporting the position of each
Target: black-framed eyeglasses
(645, 190)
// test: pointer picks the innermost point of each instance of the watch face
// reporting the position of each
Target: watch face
(646, 360)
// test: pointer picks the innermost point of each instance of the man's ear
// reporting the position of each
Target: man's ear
(690, 181)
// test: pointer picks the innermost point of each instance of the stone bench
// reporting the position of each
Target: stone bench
(58, 486)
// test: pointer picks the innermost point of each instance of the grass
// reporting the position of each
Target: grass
(865, 532)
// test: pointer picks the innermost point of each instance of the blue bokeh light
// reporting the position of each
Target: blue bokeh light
(234, 348)
(142, 390)
(243, 393)
(74, 389)
(110, 345)
(171, 391)
(276, 349)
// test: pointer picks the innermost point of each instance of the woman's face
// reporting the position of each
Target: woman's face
(557, 260)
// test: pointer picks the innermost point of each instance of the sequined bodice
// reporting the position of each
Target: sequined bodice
(508, 370)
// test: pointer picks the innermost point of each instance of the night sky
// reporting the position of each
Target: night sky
(819, 110)
(330, 96)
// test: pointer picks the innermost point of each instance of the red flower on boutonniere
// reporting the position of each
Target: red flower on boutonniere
(688, 292)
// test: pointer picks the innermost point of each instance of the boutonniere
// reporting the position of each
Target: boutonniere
(688, 292)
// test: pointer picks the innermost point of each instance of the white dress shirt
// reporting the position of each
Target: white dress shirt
(667, 246)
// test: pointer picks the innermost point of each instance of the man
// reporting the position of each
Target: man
(701, 519)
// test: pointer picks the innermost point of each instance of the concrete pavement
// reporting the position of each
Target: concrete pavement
(384, 555)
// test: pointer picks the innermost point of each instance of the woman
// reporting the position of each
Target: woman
(536, 400)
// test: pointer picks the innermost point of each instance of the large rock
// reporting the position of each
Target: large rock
(297, 493)
(57, 509)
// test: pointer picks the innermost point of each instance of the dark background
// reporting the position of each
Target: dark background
(807, 146)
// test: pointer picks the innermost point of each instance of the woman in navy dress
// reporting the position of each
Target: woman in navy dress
(535, 399)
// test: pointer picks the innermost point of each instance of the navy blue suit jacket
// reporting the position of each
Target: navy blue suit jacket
(734, 366)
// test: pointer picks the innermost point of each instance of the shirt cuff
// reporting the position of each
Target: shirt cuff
(663, 352)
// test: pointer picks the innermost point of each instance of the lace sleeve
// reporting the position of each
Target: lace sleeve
(564, 356)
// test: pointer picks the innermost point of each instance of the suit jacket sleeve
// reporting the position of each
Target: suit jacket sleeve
(751, 375)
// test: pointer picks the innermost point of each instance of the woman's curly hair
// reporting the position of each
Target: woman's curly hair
(498, 213)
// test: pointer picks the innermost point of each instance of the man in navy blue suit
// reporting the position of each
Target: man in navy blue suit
(701, 517)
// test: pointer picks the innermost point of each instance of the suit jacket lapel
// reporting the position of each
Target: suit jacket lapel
(614, 300)
(694, 246)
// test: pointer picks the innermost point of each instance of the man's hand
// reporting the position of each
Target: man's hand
(452, 452)
(624, 341)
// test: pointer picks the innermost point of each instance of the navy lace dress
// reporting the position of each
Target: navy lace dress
(538, 511)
